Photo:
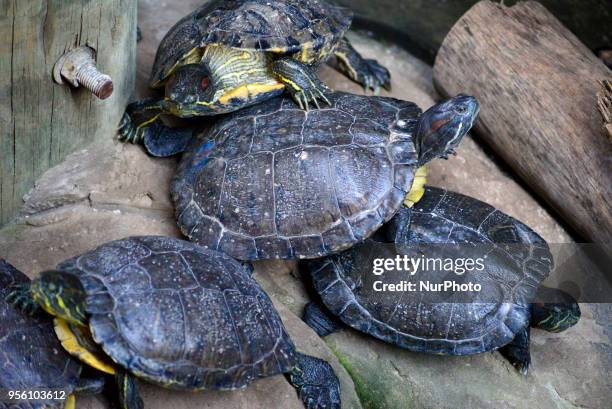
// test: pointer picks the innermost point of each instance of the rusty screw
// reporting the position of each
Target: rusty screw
(78, 67)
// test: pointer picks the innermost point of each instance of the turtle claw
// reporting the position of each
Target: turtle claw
(298, 100)
(315, 96)
(522, 367)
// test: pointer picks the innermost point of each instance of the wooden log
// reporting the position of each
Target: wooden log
(604, 104)
(537, 85)
(41, 121)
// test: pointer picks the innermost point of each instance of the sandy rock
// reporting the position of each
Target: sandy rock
(95, 196)
(569, 369)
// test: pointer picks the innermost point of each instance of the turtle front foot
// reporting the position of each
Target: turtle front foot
(21, 298)
(367, 72)
(128, 132)
(517, 351)
(372, 76)
(317, 384)
(302, 82)
(147, 111)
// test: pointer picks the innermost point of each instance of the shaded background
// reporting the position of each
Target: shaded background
(420, 25)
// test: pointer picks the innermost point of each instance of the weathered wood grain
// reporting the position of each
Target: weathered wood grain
(40, 121)
(537, 85)
(604, 104)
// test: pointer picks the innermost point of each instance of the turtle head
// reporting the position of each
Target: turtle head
(189, 92)
(442, 126)
(60, 294)
(554, 310)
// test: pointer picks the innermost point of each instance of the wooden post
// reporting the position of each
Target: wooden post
(41, 121)
(537, 85)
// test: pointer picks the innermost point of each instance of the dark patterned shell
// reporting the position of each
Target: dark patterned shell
(280, 26)
(344, 281)
(181, 316)
(32, 357)
(274, 181)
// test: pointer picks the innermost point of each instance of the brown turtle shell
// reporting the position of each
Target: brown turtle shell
(274, 181)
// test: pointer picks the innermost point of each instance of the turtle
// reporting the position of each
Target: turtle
(32, 359)
(443, 225)
(172, 313)
(229, 54)
(273, 181)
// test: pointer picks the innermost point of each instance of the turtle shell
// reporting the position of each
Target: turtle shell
(274, 181)
(517, 261)
(179, 315)
(32, 357)
(279, 26)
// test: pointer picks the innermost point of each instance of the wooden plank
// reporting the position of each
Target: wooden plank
(40, 121)
(537, 85)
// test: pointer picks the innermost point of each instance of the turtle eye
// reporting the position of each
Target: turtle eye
(204, 83)
(461, 109)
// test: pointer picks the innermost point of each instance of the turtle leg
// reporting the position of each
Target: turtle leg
(129, 397)
(302, 82)
(91, 386)
(369, 73)
(21, 298)
(321, 321)
(142, 123)
(158, 138)
(316, 382)
(137, 116)
(517, 351)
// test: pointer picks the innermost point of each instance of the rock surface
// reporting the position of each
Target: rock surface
(569, 369)
(111, 190)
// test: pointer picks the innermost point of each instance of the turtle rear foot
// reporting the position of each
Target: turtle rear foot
(517, 351)
(367, 72)
(316, 382)
(322, 322)
(302, 82)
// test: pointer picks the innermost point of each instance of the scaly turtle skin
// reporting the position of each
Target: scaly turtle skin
(517, 261)
(273, 181)
(174, 314)
(229, 54)
(32, 358)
